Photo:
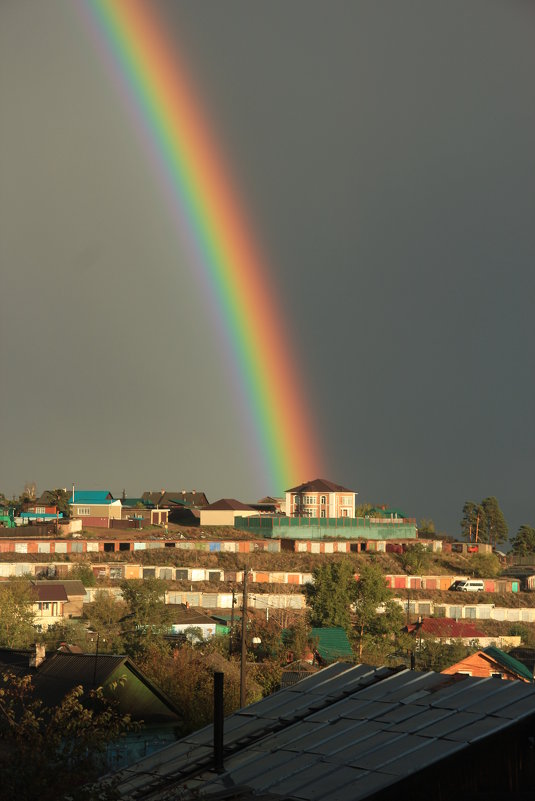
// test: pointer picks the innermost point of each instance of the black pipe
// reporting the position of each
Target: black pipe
(219, 715)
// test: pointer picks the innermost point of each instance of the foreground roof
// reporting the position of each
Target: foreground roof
(344, 733)
(319, 485)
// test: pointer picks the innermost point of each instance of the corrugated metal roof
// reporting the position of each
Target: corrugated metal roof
(508, 662)
(332, 643)
(343, 733)
(91, 496)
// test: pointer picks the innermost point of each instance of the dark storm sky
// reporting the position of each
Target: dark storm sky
(385, 153)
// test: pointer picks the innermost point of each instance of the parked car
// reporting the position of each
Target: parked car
(470, 585)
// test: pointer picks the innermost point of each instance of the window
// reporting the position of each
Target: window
(310, 500)
(465, 672)
(346, 500)
(40, 510)
(323, 500)
(83, 511)
(323, 513)
(344, 512)
(496, 675)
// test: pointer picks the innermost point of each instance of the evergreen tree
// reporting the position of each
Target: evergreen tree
(524, 542)
(473, 521)
(495, 528)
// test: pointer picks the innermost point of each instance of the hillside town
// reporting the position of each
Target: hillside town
(143, 601)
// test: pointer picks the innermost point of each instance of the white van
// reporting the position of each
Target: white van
(470, 585)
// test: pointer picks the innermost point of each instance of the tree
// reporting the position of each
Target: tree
(416, 558)
(297, 638)
(371, 593)
(495, 528)
(524, 542)
(485, 565)
(437, 656)
(148, 618)
(473, 521)
(331, 594)
(84, 574)
(53, 752)
(60, 499)
(16, 614)
(105, 615)
(187, 677)
(426, 528)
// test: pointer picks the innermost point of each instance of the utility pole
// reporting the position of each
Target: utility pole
(243, 689)
(231, 623)
(477, 527)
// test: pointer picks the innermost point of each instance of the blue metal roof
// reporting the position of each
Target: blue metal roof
(92, 496)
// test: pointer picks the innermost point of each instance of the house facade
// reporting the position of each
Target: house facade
(95, 507)
(320, 498)
(493, 663)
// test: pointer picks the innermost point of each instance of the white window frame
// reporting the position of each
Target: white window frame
(83, 511)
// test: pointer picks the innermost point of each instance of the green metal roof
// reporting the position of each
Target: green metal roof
(508, 662)
(92, 496)
(332, 643)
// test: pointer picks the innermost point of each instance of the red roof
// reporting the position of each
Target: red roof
(446, 627)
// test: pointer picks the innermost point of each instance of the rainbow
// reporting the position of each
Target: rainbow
(227, 261)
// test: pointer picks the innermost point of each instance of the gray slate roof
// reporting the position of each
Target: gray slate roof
(344, 733)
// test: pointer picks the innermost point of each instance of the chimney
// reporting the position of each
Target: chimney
(38, 655)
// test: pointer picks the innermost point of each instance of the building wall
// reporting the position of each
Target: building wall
(47, 613)
(97, 514)
(223, 517)
(320, 504)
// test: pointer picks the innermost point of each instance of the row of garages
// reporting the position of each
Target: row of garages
(296, 601)
(126, 570)
(81, 546)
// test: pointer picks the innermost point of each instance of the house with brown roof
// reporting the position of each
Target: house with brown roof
(320, 498)
(55, 601)
(184, 505)
(224, 512)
